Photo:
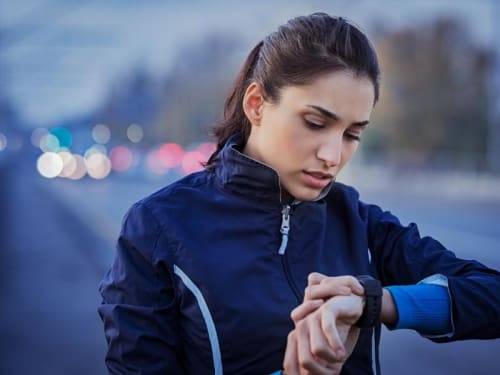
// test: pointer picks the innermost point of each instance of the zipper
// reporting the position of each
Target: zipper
(285, 230)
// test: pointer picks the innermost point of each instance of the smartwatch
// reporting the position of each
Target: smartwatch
(373, 302)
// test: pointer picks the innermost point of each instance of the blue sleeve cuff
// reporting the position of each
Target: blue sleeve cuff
(425, 308)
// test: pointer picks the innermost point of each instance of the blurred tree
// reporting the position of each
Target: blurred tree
(134, 99)
(196, 88)
(180, 107)
(434, 99)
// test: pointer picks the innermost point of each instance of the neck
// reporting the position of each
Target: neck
(250, 150)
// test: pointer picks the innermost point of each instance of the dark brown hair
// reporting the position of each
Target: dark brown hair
(295, 54)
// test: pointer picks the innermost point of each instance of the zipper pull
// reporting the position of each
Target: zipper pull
(285, 228)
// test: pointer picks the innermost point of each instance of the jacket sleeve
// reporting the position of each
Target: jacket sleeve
(138, 307)
(403, 257)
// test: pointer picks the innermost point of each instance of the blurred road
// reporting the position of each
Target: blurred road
(48, 292)
(57, 240)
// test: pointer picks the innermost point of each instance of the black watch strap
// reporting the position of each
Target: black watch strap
(373, 302)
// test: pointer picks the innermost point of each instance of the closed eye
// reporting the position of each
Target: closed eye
(313, 125)
(352, 137)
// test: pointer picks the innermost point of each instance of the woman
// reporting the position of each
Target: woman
(209, 269)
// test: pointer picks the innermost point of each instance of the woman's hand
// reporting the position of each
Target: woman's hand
(325, 287)
(317, 356)
(323, 340)
(320, 288)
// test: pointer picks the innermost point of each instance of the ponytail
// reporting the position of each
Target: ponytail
(235, 120)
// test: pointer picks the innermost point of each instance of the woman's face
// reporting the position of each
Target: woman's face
(311, 132)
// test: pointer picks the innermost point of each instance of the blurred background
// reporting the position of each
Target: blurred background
(103, 102)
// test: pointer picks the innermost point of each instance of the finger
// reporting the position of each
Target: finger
(320, 348)
(291, 362)
(315, 278)
(348, 281)
(334, 286)
(329, 328)
(304, 309)
(307, 362)
(325, 291)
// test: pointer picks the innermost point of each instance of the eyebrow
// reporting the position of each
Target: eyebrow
(333, 116)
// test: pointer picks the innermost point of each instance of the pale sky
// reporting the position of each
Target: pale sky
(58, 57)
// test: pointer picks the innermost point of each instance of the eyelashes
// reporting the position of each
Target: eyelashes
(353, 137)
(313, 125)
(317, 127)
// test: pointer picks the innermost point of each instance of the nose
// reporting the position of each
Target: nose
(330, 151)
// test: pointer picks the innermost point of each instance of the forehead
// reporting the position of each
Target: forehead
(342, 92)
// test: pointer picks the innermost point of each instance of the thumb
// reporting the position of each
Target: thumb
(315, 278)
(333, 336)
(304, 309)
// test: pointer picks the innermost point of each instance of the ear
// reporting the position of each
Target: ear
(253, 102)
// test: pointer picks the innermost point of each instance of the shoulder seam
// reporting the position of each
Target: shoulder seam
(159, 231)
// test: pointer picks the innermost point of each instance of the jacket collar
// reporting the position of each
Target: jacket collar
(243, 175)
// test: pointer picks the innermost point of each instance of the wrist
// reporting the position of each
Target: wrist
(372, 302)
(389, 312)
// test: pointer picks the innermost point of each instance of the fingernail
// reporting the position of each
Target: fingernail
(312, 278)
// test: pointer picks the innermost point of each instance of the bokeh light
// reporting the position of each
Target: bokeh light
(3, 142)
(167, 157)
(63, 135)
(69, 164)
(121, 158)
(207, 149)
(49, 164)
(49, 143)
(101, 134)
(154, 163)
(98, 166)
(80, 168)
(36, 136)
(192, 161)
(170, 155)
(135, 133)
(95, 149)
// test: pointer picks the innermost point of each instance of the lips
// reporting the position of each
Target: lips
(316, 179)
(320, 175)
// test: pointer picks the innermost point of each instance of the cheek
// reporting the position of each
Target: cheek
(348, 151)
(288, 140)
(301, 146)
(287, 136)
(302, 137)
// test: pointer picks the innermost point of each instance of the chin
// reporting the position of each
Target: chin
(307, 195)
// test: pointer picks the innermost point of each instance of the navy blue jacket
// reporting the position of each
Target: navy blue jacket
(198, 285)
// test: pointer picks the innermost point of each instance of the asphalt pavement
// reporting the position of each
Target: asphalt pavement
(48, 319)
